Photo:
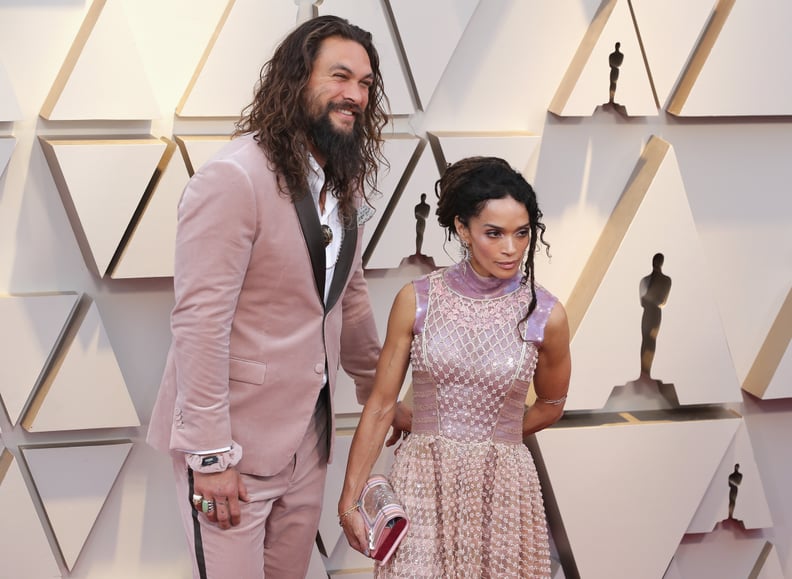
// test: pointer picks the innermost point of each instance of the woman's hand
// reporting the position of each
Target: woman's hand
(355, 531)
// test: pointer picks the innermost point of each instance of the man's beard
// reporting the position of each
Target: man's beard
(342, 151)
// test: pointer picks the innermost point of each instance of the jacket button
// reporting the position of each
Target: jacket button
(319, 368)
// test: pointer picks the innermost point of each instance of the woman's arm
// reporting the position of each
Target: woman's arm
(378, 413)
(551, 378)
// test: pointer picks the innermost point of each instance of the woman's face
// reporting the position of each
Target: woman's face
(498, 237)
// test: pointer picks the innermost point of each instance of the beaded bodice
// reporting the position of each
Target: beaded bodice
(471, 366)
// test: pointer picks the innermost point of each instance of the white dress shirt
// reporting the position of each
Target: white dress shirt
(330, 217)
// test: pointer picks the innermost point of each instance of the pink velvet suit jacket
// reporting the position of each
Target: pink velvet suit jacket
(251, 334)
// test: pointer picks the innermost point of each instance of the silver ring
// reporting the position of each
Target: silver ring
(207, 506)
(196, 501)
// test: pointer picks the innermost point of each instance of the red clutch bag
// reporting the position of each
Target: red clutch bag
(384, 517)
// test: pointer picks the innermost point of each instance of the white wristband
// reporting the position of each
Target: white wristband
(208, 463)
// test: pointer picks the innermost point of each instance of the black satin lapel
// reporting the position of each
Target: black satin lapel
(312, 231)
(343, 265)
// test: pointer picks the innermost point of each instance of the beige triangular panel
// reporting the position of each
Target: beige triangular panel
(698, 59)
(30, 330)
(7, 145)
(24, 550)
(73, 483)
(728, 552)
(340, 554)
(556, 571)
(442, 21)
(722, 78)
(86, 388)
(781, 385)
(371, 16)
(345, 397)
(329, 530)
(103, 182)
(703, 372)
(197, 149)
(770, 375)
(383, 287)
(516, 148)
(768, 563)
(316, 567)
(605, 309)
(669, 32)
(736, 491)
(673, 571)
(103, 76)
(588, 80)
(149, 252)
(398, 150)
(633, 485)
(9, 106)
(398, 241)
(243, 41)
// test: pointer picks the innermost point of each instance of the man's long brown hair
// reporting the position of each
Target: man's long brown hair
(280, 122)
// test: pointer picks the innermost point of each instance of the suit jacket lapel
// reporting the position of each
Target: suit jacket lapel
(344, 263)
(312, 231)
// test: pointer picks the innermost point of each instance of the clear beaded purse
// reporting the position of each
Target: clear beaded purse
(384, 516)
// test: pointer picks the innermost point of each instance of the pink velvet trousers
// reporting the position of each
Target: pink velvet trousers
(277, 532)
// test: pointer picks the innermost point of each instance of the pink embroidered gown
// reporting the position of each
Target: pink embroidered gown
(467, 481)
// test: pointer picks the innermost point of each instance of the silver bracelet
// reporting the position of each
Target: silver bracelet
(556, 402)
(346, 513)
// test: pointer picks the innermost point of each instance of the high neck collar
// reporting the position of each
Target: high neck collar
(464, 280)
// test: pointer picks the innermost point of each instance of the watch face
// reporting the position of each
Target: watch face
(210, 460)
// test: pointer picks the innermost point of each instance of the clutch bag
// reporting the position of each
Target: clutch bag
(384, 517)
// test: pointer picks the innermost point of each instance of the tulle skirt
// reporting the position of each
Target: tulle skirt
(476, 511)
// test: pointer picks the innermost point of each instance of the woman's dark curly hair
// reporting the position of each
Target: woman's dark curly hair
(465, 188)
(279, 120)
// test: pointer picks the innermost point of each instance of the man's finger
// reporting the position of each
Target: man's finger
(243, 493)
(234, 511)
(208, 508)
(222, 512)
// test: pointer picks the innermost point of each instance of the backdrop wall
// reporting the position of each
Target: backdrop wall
(106, 107)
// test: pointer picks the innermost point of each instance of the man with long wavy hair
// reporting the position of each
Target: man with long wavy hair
(270, 302)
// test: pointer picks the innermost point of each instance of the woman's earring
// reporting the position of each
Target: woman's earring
(465, 250)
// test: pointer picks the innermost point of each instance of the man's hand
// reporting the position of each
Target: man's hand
(402, 424)
(226, 489)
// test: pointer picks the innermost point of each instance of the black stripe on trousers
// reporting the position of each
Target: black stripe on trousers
(199, 552)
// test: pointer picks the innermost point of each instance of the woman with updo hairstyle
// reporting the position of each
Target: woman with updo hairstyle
(468, 184)
(476, 334)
